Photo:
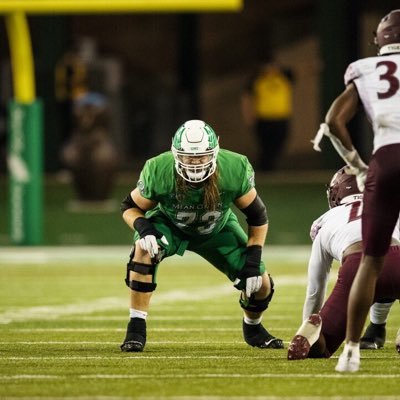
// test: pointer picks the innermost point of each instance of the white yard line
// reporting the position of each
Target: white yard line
(163, 342)
(139, 357)
(119, 254)
(120, 303)
(105, 254)
(201, 376)
(110, 303)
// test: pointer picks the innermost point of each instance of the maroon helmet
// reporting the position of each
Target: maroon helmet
(387, 36)
(341, 186)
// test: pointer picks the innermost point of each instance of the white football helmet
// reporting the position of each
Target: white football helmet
(195, 149)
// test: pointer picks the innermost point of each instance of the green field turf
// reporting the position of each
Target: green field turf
(63, 313)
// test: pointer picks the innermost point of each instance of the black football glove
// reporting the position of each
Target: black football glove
(249, 278)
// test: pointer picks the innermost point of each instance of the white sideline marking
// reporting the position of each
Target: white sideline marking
(119, 254)
(204, 376)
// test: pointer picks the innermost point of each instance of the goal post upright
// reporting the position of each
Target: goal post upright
(25, 142)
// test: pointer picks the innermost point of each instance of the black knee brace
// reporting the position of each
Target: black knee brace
(143, 269)
(254, 305)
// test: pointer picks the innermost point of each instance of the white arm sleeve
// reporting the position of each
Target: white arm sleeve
(351, 157)
(319, 267)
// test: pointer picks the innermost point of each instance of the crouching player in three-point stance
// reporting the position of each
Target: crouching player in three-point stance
(183, 202)
(337, 235)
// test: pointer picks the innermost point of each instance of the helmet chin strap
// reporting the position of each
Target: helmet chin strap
(389, 48)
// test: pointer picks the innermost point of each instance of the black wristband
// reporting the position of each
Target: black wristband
(144, 227)
(253, 256)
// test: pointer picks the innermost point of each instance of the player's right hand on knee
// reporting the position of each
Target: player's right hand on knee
(150, 238)
(149, 243)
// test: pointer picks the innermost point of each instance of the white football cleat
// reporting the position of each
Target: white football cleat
(349, 360)
(305, 337)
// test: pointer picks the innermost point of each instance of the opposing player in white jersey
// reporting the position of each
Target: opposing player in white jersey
(333, 234)
(375, 82)
(337, 235)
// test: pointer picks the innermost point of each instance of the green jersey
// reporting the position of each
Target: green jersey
(187, 212)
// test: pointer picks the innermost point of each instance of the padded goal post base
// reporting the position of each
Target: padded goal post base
(25, 166)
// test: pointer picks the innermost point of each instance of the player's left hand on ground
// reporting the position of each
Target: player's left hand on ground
(249, 279)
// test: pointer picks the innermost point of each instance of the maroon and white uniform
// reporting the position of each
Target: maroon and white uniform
(377, 80)
(332, 234)
(334, 310)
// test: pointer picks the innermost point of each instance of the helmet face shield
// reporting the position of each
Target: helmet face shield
(195, 168)
(195, 149)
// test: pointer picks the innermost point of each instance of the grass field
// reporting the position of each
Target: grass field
(63, 313)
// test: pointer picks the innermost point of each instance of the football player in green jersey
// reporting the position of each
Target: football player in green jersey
(183, 202)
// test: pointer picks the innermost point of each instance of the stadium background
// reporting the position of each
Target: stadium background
(159, 69)
(63, 306)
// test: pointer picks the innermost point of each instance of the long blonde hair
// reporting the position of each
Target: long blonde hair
(211, 193)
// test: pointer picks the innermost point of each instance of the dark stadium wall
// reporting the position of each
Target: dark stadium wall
(172, 67)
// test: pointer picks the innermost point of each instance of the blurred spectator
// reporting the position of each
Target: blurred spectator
(83, 70)
(71, 81)
(267, 109)
(90, 153)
